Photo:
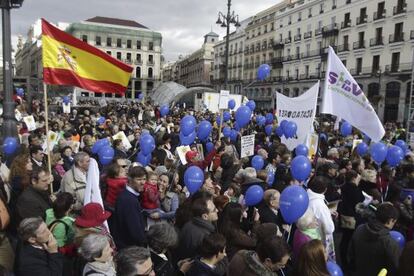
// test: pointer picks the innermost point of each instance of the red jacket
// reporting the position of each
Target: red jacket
(114, 187)
(150, 197)
(204, 163)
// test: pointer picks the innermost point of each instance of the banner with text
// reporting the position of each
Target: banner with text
(300, 110)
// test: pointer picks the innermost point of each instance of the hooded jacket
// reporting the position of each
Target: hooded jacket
(372, 249)
(247, 263)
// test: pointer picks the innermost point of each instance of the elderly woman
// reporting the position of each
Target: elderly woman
(97, 251)
(307, 229)
(162, 237)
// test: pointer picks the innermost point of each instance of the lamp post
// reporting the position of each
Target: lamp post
(225, 21)
(9, 128)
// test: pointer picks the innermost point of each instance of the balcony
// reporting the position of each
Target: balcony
(288, 40)
(398, 67)
(315, 53)
(318, 31)
(138, 61)
(277, 79)
(330, 30)
(379, 15)
(362, 19)
(359, 45)
(246, 51)
(346, 24)
(150, 62)
(264, 47)
(377, 41)
(396, 38)
(277, 62)
(343, 48)
(297, 37)
(278, 45)
(127, 61)
(399, 9)
(307, 35)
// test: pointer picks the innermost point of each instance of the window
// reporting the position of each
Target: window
(150, 72)
(129, 43)
(151, 45)
(128, 56)
(395, 62)
(299, 16)
(333, 4)
(85, 38)
(310, 12)
(290, 20)
(138, 57)
(108, 41)
(98, 41)
(137, 75)
(109, 53)
(307, 49)
(375, 64)
(138, 44)
(119, 43)
(321, 8)
(150, 59)
(118, 55)
(307, 70)
(358, 65)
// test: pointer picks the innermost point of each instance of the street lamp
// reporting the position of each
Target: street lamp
(9, 128)
(225, 21)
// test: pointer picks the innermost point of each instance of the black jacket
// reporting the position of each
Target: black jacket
(34, 261)
(372, 249)
(162, 267)
(351, 195)
(128, 221)
(32, 203)
(199, 268)
(267, 215)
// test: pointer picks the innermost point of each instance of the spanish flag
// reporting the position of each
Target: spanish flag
(70, 61)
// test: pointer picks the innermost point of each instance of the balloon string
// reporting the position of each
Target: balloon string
(290, 229)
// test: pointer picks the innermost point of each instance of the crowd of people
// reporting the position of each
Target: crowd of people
(150, 224)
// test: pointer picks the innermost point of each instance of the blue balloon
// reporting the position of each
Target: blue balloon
(226, 116)
(398, 237)
(243, 115)
(144, 159)
(10, 145)
(323, 137)
(290, 129)
(300, 168)
(106, 154)
(164, 110)
(101, 120)
(66, 99)
(140, 96)
(346, 129)
(334, 269)
(402, 145)
(394, 156)
(193, 178)
(147, 144)
(279, 131)
(218, 119)
(254, 195)
(263, 72)
(294, 202)
(187, 140)
(231, 104)
(251, 104)
(269, 118)
(188, 124)
(269, 130)
(204, 129)
(283, 124)
(257, 162)
(362, 149)
(20, 92)
(233, 135)
(270, 178)
(99, 144)
(260, 120)
(209, 147)
(407, 192)
(226, 131)
(236, 126)
(301, 149)
(378, 152)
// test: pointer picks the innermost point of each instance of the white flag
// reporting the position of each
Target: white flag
(300, 110)
(345, 99)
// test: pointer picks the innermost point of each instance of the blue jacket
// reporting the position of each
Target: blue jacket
(128, 221)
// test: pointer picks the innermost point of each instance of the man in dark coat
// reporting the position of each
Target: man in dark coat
(128, 220)
(34, 201)
(372, 248)
(194, 231)
(37, 254)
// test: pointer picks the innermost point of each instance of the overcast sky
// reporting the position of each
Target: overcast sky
(182, 23)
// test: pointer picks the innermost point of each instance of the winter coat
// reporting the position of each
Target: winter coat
(74, 182)
(35, 261)
(150, 197)
(372, 248)
(199, 268)
(99, 269)
(64, 231)
(162, 267)
(267, 215)
(32, 203)
(237, 240)
(191, 237)
(114, 186)
(247, 263)
(351, 196)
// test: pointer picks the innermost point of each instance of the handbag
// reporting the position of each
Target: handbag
(347, 222)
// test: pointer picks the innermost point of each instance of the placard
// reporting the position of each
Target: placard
(355, 143)
(312, 144)
(247, 146)
(125, 142)
(30, 122)
(53, 138)
(224, 99)
(66, 108)
(181, 151)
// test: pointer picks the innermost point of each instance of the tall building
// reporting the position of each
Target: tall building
(235, 62)
(126, 40)
(195, 69)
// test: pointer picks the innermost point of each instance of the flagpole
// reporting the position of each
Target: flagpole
(49, 165)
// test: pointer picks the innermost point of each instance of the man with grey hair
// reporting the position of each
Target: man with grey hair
(74, 180)
(37, 253)
(133, 261)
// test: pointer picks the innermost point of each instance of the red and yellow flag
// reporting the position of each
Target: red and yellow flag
(70, 61)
